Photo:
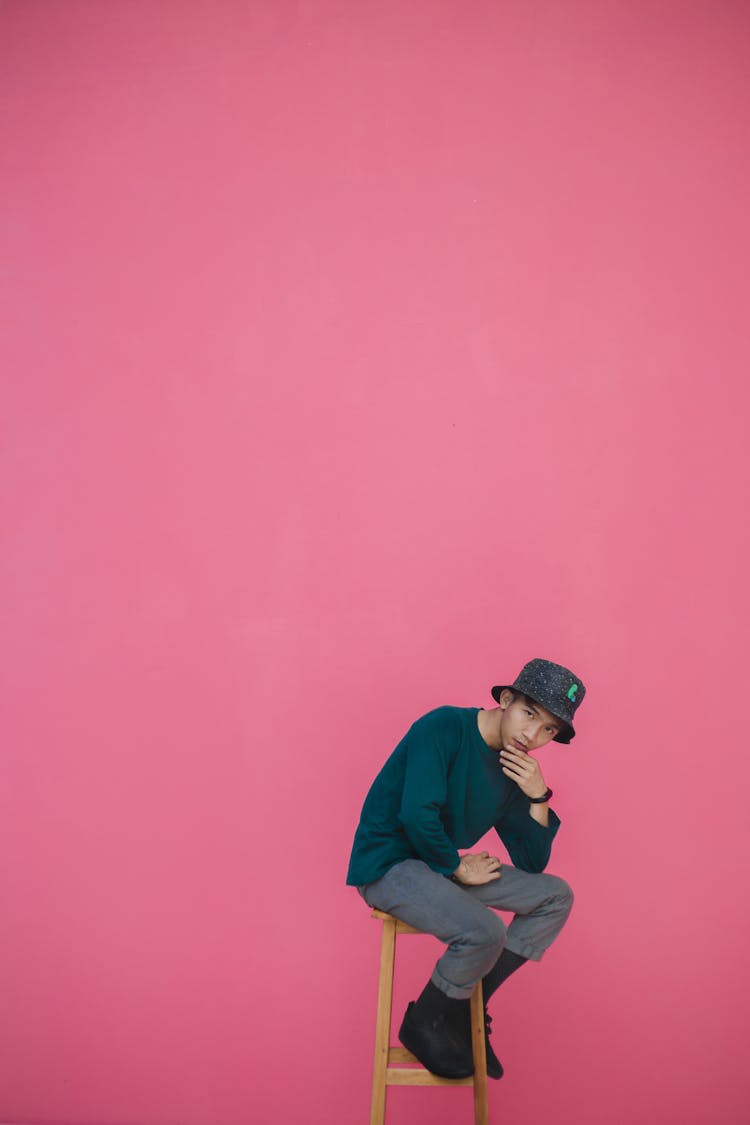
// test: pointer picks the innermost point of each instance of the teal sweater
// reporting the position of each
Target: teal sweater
(441, 789)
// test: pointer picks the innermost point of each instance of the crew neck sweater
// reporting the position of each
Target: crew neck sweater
(440, 790)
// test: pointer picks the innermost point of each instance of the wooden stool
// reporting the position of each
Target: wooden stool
(384, 1073)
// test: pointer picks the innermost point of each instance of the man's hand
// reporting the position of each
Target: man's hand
(524, 770)
(473, 870)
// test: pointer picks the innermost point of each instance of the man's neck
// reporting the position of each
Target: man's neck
(489, 727)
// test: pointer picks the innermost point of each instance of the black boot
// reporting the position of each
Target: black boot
(506, 964)
(430, 1032)
(494, 1066)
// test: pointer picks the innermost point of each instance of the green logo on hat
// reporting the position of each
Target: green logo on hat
(572, 692)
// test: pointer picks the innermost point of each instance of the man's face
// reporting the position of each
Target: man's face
(525, 724)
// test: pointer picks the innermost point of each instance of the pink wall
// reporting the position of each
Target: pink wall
(353, 354)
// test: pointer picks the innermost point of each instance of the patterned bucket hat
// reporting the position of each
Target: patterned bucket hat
(555, 687)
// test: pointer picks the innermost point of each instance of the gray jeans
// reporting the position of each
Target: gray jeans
(459, 916)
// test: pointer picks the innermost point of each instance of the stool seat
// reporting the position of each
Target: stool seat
(401, 927)
(386, 1074)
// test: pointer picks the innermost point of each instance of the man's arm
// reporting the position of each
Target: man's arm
(425, 793)
(527, 839)
(419, 816)
(540, 813)
(527, 829)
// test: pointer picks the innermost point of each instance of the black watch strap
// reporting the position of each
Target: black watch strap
(539, 800)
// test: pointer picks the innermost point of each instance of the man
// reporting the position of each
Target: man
(458, 772)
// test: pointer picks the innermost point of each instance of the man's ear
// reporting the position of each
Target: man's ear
(506, 698)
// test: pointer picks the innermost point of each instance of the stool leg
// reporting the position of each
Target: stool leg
(383, 1023)
(481, 1106)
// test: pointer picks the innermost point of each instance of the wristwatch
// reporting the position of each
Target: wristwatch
(539, 800)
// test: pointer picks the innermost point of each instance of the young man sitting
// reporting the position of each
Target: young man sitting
(458, 772)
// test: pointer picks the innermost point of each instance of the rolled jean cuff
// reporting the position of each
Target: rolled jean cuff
(455, 991)
(530, 952)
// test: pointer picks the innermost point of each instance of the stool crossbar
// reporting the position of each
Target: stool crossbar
(385, 1073)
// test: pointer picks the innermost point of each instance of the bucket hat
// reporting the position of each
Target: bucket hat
(554, 687)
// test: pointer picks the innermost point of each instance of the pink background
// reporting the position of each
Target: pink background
(354, 353)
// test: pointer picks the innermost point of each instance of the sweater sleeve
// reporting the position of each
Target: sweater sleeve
(425, 794)
(528, 842)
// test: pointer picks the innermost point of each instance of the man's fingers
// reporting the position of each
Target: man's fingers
(515, 755)
(519, 764)
(512, 773)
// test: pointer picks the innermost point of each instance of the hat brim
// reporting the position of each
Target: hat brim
(566, 735)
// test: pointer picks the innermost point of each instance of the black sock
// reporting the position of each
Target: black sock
(506, 964)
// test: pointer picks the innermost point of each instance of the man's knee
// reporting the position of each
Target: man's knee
(488, 932)
(561, 892)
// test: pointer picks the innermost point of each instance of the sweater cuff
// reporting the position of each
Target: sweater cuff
(442, 869)
(546, 829)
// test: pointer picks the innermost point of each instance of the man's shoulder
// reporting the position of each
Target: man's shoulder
(447, 718)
